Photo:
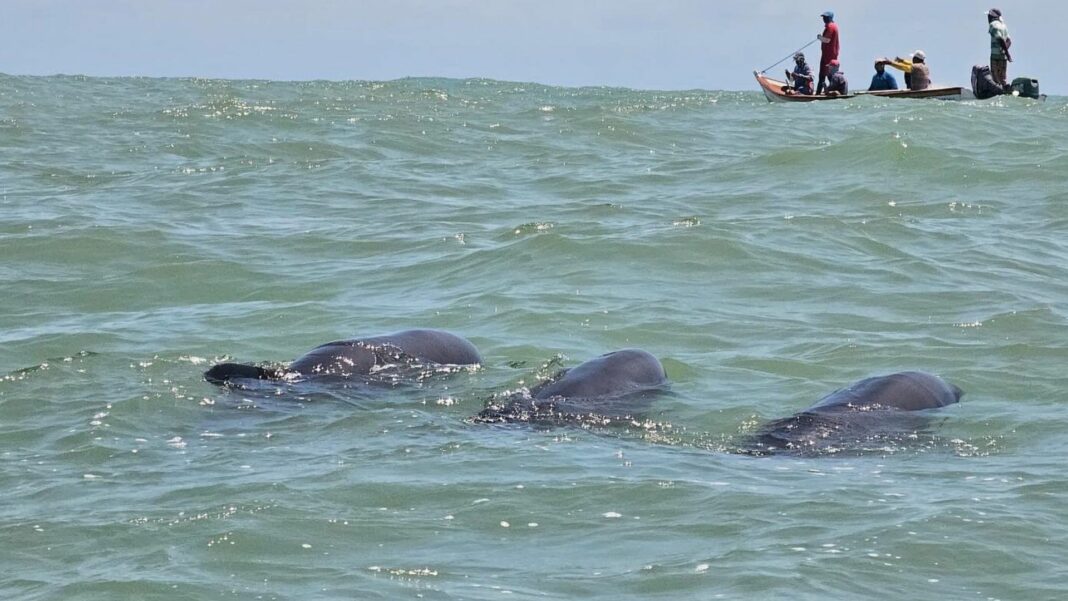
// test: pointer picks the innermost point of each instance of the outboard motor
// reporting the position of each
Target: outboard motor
(983, 84)
(1026, 87)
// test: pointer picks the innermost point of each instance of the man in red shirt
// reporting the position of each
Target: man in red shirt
(829, 48)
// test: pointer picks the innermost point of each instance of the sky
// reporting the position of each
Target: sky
(647, 44)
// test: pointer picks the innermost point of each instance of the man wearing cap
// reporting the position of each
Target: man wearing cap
(999, 47)
(836, 80)
(829, 47)
(801, 79)
(921, 73)
(917, 74)
(882, 80)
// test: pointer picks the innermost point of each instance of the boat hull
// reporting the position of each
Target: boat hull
(940, 93)
(773, 91)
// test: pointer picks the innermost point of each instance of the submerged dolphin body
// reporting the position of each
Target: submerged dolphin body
(616, 385)
(881, 407)
(361, 357)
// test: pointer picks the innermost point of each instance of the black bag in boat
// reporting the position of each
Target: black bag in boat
(1026, 87)
(983, 84)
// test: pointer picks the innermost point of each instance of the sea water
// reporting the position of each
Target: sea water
(767, 254)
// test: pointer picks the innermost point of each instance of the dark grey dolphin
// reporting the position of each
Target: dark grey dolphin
(361, 357)
(879, 407)
(617, 385)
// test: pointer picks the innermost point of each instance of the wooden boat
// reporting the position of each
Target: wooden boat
(773, 91)
(941, 93)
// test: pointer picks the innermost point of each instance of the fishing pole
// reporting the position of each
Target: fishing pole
(791, 54)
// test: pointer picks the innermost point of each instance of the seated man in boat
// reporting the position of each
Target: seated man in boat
(837, 85)
(882, 80)
(801, 79)
(917, 74)
(921, 74)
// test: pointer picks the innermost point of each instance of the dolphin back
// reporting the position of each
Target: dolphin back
(616, 386)
(362, 357)
(435, 346)
(890, 407)
(904, 391)
(611, 375)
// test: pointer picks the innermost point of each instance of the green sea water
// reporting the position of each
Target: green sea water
(768, 254)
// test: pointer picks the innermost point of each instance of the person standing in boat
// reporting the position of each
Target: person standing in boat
(837, 85)
(801, 79)
(882, 80)
(999, 47)
(828, 48)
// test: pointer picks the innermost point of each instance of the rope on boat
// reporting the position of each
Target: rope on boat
(789, 55)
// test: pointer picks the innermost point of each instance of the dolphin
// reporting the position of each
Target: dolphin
(873, 408)
(616, 385)
(385, 355)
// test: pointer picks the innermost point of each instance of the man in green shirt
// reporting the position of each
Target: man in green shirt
(999, 47)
